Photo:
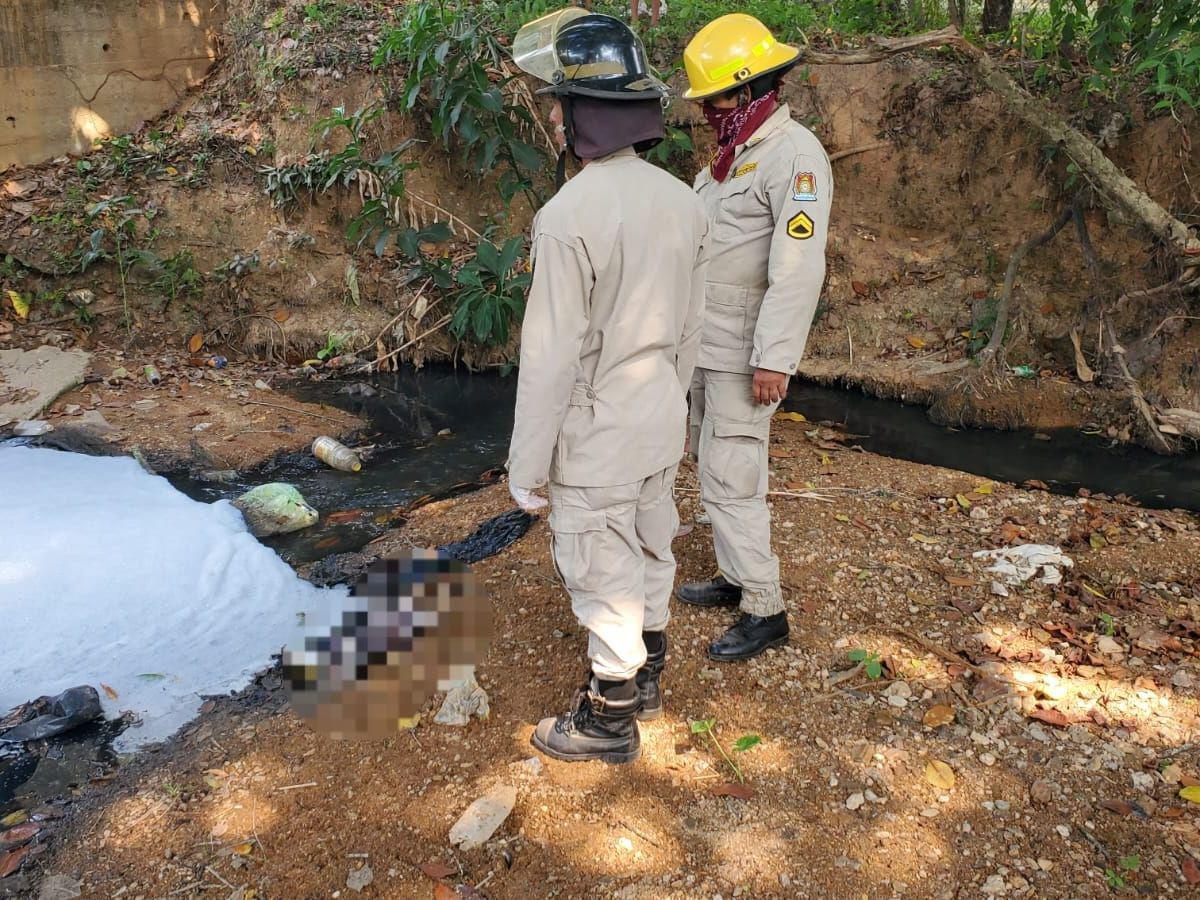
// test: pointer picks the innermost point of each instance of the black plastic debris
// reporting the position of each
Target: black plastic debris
(491, 537)
(46, 717)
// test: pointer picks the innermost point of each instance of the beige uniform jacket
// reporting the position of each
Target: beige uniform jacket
(612, 327)
(770, 220)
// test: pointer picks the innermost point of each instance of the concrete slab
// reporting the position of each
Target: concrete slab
(30, 380)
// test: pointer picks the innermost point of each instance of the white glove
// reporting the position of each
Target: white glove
(527, 499)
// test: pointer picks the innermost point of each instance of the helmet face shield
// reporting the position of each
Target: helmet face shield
(589, 55)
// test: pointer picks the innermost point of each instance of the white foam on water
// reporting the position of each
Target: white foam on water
(110, 576)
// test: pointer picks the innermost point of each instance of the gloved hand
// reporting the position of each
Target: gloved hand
(527, 499)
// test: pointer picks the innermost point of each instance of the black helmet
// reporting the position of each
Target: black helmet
(586, 55)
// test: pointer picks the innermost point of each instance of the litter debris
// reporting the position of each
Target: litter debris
(46, 717)
(60, 887)
(491, 537)
(1016, 565)
(336, 455)
(463, 701)
(275, 508)
(152, 375)
(481, 819)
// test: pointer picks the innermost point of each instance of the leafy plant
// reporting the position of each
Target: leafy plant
(454, 73)
(870, 661)
(115, 238)
(1125, 865)
(1110, 627)
(178, 277)
(491, 296)
(335, 343)
(707, 727)
(674, 152)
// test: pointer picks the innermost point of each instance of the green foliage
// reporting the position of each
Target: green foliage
(451, 60)
(1112, 44)
(1109, 624)
(674, 153)
(491, 296)
(177, 276)
(335, 343)
(870, 661)
(708, 727)
(746, 742)
(115, 238)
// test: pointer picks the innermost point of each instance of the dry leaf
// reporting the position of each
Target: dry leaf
(19, 834)
(959, 581)
(779, 453)
(14, 818)
(444, 892)
(982, 488)
(1051, 717)
(437, 870)
(1120, 807)
(195, 342)
(1191, 871)
(244, 848)
(939, 715)
(730, 789)
(11, 861)
(939, 774)
(924, 539)
(109, 692)
(915, 342)
(1191, 793)
(790, 417)
(842, 517)
(962, 501)
(20, 304)
(860, 288)
(281, 315)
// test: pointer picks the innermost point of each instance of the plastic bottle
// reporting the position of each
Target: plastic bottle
(336, 454)
(152, 375)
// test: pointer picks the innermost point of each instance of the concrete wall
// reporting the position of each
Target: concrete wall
(72, 71)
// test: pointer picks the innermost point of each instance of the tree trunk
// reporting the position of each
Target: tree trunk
(997, 15)
(955, 10)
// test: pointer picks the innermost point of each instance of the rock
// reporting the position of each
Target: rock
(1109, 647)
(854, 801)
(988, 759)
(359, 879)
(32, 428)
(72, 409)
(275, 508)
(59, 887)
(261, 385)
(1182, 678)
(481, 819)
(532, 766)
(38, 377)
(994, 886)
(930, 812)
(1143, 781)
(81, 297)
(143, 405)
(1064, 831)
(1043, 792)
(463, 701)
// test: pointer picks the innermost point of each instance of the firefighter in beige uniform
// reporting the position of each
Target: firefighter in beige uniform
(608, 344)
(767, 193)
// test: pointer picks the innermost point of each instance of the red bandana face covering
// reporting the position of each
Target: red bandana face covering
(736, 126)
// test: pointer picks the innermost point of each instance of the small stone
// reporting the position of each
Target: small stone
(202, 426)
(1043, 792)
(930, 812)
(32, 428)
(445, 432)
(784, 880)
(143, 405)
(988, 759)
(1143, 781)
(261, 385)
(979, 513)
(72, 409)
(1003, 805)
(359, 879)
(1064, 831)
(1045, 865)
(1182, 678)
(897, 702)
(855, 800)
(994, 886)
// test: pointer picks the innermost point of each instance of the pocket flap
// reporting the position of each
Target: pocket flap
(725, 294)
(574, 520)
(757, 430)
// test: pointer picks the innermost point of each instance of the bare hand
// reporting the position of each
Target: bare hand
(769, 387)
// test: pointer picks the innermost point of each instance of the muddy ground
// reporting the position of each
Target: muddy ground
(1065, 717)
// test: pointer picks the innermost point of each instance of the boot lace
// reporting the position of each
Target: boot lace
(580, 715)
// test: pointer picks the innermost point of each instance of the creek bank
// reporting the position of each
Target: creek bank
(879, 551)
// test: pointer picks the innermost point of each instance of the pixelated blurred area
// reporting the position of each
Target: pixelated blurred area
(413, 624)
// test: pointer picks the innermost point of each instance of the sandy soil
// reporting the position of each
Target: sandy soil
(1066, 718)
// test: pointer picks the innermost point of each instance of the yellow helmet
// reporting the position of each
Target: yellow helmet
(730, 51)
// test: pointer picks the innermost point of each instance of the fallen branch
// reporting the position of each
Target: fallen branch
(854, 151)
(1135, 390)
(366, 367)
(292, 409)
(949, 657)
(882, 48)
(1090, 158)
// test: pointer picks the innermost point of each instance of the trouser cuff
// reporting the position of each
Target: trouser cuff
(759, 602)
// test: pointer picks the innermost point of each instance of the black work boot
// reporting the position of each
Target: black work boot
(601, 724)
(647, 675)
(718, 592)
(749, 637)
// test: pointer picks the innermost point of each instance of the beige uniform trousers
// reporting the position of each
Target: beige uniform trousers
(612, 547)
(729, 435)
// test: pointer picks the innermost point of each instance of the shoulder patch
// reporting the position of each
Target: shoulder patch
(800, 227)
(805, 187)
(744, 169)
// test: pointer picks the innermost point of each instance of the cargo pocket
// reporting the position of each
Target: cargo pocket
(733, 465)
(576, 535)
(725, 316)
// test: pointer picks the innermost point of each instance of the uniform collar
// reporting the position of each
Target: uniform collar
(623, 153)
(769, 127)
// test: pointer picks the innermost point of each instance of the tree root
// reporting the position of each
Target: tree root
(989, 355)
(1135, 390)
